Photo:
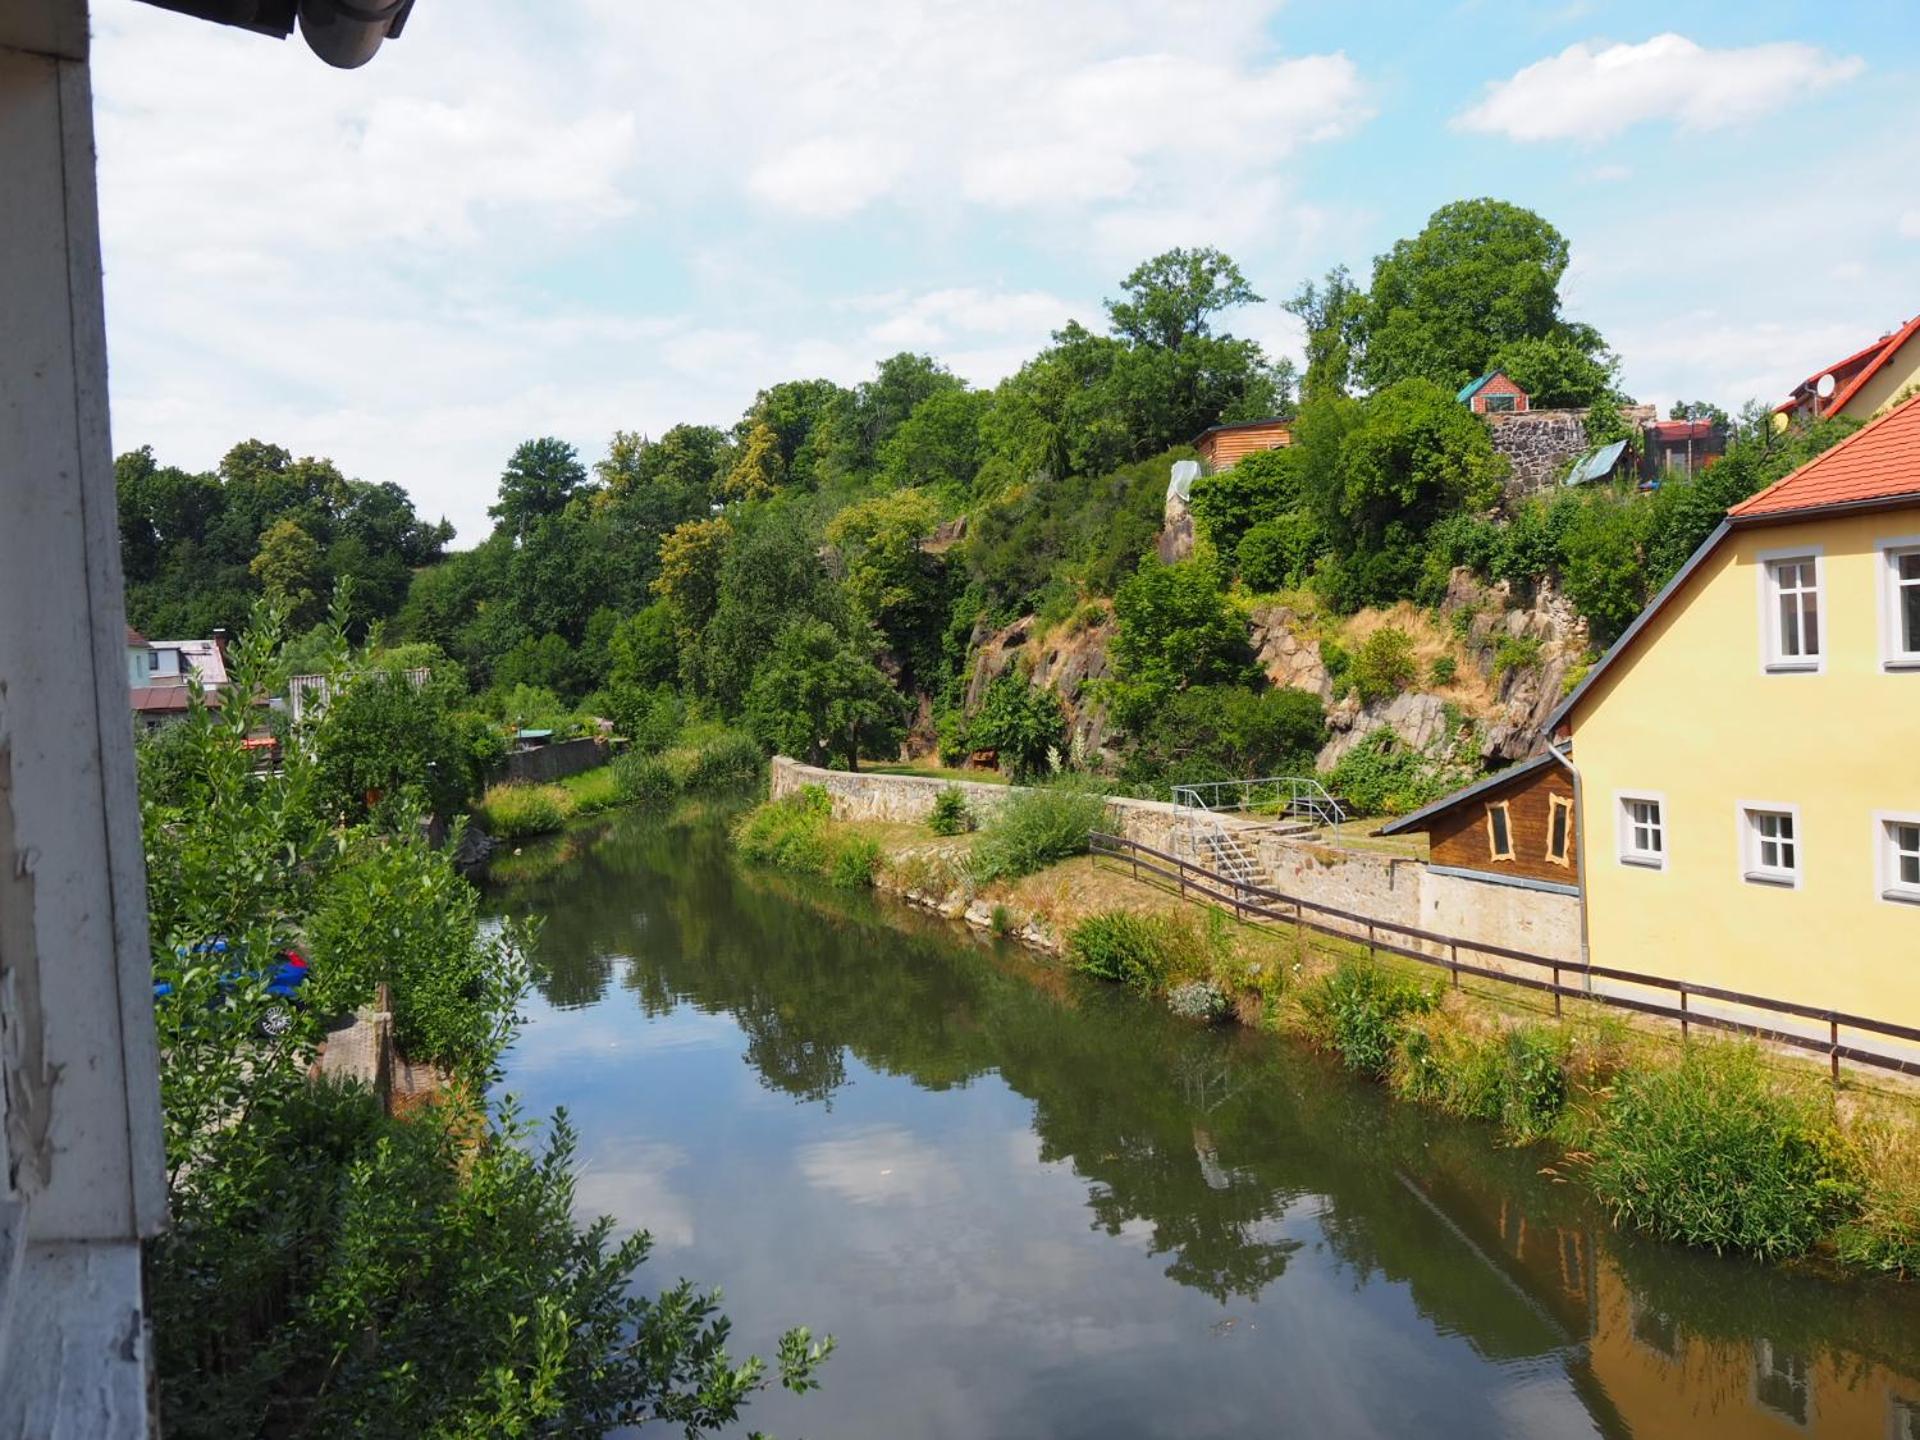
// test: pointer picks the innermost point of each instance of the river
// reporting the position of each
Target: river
(1034, 1206)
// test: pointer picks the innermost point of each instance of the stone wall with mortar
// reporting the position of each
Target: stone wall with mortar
(1542, 444)
(1392, 889)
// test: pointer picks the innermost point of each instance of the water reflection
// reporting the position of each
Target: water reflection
(933, 1111)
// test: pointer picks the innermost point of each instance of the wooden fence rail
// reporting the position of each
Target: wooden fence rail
(1390, 937)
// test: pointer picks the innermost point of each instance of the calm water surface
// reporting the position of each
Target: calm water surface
(1031, 1206)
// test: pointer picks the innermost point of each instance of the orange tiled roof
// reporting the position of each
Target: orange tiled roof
(1852, 372)
(1880, 462)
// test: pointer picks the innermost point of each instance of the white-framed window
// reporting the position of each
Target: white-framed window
(1900, 603)
(1792, 625)
(1643, 831)
(1897, 864)
(1499, 831)
(1770, 843)
(1501, 404)
(1783, 1382)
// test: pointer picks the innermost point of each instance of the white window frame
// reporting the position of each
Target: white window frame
(1772, 661)
(1753, 871)
(1894, 656)
(1886, 875)
(1624, 848)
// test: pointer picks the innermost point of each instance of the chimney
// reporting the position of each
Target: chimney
(220, 644)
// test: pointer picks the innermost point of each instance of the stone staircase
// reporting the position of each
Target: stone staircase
(1221, 851)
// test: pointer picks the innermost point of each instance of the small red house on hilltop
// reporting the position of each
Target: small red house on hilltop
(1224, 446)
(1494, 393)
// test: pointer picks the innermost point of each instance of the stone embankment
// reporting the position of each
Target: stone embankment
(1389, 889)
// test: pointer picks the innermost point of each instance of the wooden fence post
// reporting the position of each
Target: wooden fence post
(1556, 992)
(1833, 1047)
(1685, 1029)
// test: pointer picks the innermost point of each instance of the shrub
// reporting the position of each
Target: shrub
(729, 759)
(1384, 665)
(513, 812)
(1443, 671)
(1339, 661)
(950, 813)
(1711, 1152)
(1035, 828)
(1382, 775)
(645, 779)
(1515, 652)
(1276, 554)
(797, 832)
(1885, 1235)
(1199, 1000)
(594, 790)
(1357, 1010)
(1023, 723)
(650, 719)
(1122, 946)
(951, 739)
(1212, 732)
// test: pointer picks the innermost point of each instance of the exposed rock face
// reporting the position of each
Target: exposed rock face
(1291, 660)
(1064, 664)
(946, 536)
(1420, 720)
(1528, 693)
(1541, 444)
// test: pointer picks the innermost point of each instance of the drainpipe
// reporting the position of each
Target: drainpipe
(1579, 850)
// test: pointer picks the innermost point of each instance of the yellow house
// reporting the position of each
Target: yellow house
(1748, 753)
(1862, 385)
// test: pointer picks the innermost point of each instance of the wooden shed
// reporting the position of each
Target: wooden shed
(1224, 446)
(1517, 826)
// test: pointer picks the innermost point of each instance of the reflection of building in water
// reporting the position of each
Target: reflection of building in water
(1640, 1371)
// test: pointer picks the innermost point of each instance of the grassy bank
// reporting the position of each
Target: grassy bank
(1713, 1143)
(1716, 1144)
(707, 761)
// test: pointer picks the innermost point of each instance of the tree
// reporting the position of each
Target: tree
(1022, 723)
(1331, 313)
(1480, 275)
(1260, 487)
(757, 470)
(887, 576)
(771, 577)
(689, 582)
(1556, 372)
(1177, 628)
(1172, 297)
(820, 692)
(540, 478)
(1698, 410)
(1223, 732)
(1378, 473)
(938, 446)
(1602, 566)
(642, 651)
(288, 567)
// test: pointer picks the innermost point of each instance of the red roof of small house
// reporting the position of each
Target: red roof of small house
(135, 639)
(164, 699)
(1878, 463)
(1853, 372)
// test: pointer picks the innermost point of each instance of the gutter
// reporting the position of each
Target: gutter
(1579, 850)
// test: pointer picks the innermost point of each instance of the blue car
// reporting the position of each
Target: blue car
(284, 979)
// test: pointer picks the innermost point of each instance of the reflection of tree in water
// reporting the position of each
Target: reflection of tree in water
(1206, 1136)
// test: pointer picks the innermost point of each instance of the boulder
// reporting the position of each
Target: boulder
(1291, 660)
(1422, 722)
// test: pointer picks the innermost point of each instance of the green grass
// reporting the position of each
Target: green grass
(593, 790)
(1035, 828)
(514, 812)
(797, 832)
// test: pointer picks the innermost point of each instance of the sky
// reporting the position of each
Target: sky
(570, 218)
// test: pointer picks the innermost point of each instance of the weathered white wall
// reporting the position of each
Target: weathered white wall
(1390, 889)
(79, 1089)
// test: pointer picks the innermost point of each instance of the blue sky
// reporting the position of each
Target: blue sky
(567, 219)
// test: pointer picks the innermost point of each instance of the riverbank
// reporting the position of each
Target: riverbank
(1716, 1144)
(705, 761)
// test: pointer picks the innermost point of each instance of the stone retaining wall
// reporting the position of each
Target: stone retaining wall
(1391, 889)
(544, 764)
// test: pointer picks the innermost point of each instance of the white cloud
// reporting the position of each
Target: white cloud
(828, 178)
(1909, 225)
(879, 1165)
(1591, 94)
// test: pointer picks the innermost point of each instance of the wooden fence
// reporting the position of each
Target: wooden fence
(1256, 902)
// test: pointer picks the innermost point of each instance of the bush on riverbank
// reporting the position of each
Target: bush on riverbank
(516, 811)
(1356, 1010)
(1037, 827)
(1714, 1152)
(1516, 1078)
(951, 814)
(797, 832)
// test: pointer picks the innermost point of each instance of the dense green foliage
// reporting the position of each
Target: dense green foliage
(331, 1269)
(1357, 1010)
(951, 814)
(199, 550)
(798, 832)
(1227, 732)
(1710, 1152)
(1034, 828)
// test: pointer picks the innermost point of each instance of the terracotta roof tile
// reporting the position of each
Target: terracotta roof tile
(1880, 462)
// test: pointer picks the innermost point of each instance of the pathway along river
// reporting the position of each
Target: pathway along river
(1030, 1205)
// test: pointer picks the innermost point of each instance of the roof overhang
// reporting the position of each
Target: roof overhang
(1417, 821)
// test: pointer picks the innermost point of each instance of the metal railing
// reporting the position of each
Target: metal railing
(1258, 902)
(1295, 797)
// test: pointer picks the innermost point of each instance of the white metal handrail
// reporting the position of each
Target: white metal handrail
(1297, 797)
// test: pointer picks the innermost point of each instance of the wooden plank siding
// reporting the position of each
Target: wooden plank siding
(1223, 449)
(1459, 839)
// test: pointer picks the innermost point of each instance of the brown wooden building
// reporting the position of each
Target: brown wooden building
(1516, 826)
(1224, 446)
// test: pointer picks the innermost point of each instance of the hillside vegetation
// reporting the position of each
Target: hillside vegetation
(846, 569)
